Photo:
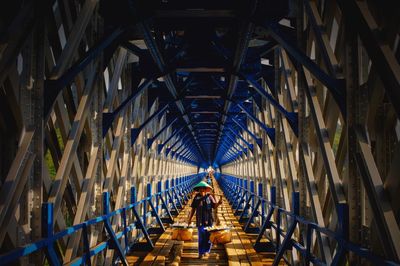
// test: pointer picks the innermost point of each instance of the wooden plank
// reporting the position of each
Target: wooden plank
(150, 258)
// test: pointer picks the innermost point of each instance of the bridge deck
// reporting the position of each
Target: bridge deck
(172, 252)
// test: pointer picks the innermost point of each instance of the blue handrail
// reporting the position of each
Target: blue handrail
(240, 196)
(171, 196)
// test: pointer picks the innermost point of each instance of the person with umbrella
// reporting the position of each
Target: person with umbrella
(202, 205)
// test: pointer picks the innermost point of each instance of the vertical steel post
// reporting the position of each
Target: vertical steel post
(48, 231)
(148, 195)
(343, 231)
(159, 187)
(133, 195)
(113, 238)
(252, 190)
(261, 195)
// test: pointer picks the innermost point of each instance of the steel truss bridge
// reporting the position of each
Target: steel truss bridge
(111, 110)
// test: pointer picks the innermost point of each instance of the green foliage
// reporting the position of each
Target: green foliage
(336, 140)
(48, 158)
(50, 164)
(59, 139)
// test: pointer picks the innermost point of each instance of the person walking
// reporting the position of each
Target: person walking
(202, 205)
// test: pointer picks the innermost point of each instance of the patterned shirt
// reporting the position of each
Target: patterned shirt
(203, 206)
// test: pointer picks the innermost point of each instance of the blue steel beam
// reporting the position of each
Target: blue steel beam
(183, 143)
(185, 151)
(185, 155)
(135, 131)
(188, 149)
(233, 147)
(292, 117)
(167, 150)
(233, 140)
(238, 58)
(167, 125)
(251, 146)
(161, 146)
(258, 140)
(236, 152)
(335, 86)
(231, 158)
(133, 48)
(108, 118)
(230, 153)
(159, 61)
(53, 87)
(270, 131)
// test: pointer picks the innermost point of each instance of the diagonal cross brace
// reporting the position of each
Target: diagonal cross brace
(151, 140)
(292, 117)
(108, 118)
(251, 146)
(135, 131)
(270, 131)
(258, 140)
(53, 88)
(335, 86)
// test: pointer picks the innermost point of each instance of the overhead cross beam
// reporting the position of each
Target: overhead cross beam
(158, 59)
(240, 54)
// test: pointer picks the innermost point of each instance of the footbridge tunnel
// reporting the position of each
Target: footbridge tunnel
(112, 110)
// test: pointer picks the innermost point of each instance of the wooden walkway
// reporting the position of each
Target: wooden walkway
(172, 252)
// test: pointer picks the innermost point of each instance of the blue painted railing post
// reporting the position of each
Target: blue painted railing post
(133, 195)
(287, 241)
(343, 231)
(296, 203)
(261, 195)
(148, 195)
(113, 238)
(48, 231)
(246, 187)
(159, 188)
(258, 245)
(273, 195)
(148, 190)
(241, 186)
(173, 189)
(106, 203)
(168, 201)
(252, 191)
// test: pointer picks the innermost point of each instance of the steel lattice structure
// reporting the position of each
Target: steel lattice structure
(99, 97)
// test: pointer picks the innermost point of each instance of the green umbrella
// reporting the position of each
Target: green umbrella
(202, 184)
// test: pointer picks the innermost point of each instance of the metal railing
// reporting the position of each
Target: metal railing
(251, 205)
(172, 199)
